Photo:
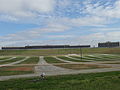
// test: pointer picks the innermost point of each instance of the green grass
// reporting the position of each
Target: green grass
(109, 57)
(70, 59)
(12, 60)
(4, 58)
(98, 57)
(93, 81)
(52, 60)
(44, 52)
(32, 60)
(15, 70)
(83, 58)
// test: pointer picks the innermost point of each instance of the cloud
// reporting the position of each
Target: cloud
(95, 38)
(36, 33)
(25, 8)
(104, 29)
(61, 36)
(107, 10)
(61, 16)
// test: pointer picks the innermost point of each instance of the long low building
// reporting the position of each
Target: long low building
(109, 44)
(46, 47)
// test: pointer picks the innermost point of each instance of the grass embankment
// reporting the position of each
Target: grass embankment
(93, 81)
(32, 60)
(44, 52)
(52, 60)
(12, 60)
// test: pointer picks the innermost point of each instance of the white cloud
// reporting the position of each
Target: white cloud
(39, 11)
(60, 36)
(95, 38)
(25, 8)
(105, 10)
(34, 33)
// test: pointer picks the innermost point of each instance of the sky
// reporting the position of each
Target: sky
(53, 22)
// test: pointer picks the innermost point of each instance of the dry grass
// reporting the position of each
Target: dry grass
(16, 70)
(112, 63)
(81, 66)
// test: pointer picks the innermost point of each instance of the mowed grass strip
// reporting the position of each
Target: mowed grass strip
(52, 60)
(4, 58)
(95, 58)
(81, 66)
(99, 58)
(83, 58)
(12, 60)
(16, 70)
(70, 59)
(31, 60)
(91, 81)
(109, 57)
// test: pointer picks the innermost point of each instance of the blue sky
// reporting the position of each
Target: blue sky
(39, 22)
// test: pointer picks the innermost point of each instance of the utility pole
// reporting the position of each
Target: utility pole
(81, 52)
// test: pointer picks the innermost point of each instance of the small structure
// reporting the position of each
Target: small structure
(109, 44)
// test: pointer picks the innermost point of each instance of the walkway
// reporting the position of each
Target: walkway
(49, 69)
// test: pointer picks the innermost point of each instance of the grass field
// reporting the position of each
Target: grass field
(19, 70)
(69, 59)
(16, 70)
(94, 81)
(62, 64)
(4, 58)
(45, 52)
(52, 60)
(81, 66)
(13, 60)
(99, 57)
(32, 60)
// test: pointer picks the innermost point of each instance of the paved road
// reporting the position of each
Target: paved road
(49, 68)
